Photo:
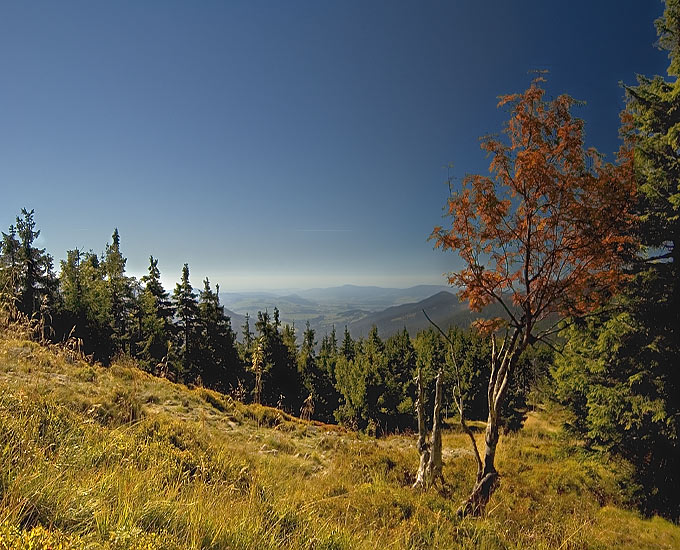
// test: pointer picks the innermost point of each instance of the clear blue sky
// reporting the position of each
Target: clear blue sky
(283, 143)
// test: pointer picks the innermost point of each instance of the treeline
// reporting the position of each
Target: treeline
(367, 383)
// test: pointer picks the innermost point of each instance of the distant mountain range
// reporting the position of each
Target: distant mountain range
(357, 307)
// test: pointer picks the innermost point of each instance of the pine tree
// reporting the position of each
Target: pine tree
(220, 364)
(84, 309)
(186, 310)
(399, 387)
(280, 379)
(246, 341)
(120, 292)
(348, 350)
(317, 380)
(30, 267)
(157, 321)
(619, 373)
(9, 269)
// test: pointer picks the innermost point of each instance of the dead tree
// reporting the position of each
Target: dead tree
(430, 448)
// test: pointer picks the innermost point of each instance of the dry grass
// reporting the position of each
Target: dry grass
(114, 458)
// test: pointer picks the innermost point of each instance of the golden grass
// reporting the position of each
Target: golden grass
(116, 459)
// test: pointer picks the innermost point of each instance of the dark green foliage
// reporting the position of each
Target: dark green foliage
(473, 353)
(9, 267)
(221, 367)
(188, 328)
(280, 379)
(84, 311)
(619, 374)
(27, 279)
(155, 346)
(532, 369)
(348, 346)
(327, 361)
(376, 383)
(316, 373)
(120, 295)
(621, 385)
(399, 385)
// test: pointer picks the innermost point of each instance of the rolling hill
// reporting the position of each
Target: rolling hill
(444, 308)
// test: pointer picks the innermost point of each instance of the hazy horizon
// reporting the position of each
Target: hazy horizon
(290, 145)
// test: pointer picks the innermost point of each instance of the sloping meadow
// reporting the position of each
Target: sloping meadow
(117, 459)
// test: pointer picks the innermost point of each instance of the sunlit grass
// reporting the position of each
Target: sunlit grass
(114, 458)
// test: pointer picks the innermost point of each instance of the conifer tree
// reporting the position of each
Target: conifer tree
(84, 308)
(619, 373)
(280, 379)
(9, 268)
(157, 321)
(120, 292)
(317, 381)
(399, 387)
(186, 310)
(246, 340)
(220, 364)
(348, 350)
(27, 275)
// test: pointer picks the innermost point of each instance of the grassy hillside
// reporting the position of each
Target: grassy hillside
(116, 459)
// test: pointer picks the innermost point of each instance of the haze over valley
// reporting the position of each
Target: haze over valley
(357, 307)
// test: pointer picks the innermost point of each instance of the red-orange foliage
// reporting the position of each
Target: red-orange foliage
(545, 232)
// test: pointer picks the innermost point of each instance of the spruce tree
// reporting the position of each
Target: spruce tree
(220, 364)
(348, 350)
(35, 280)
(399, 388)
(120, 292)
(186, 310)
(280, 378)
(9, 269)
(318, 372)
(157, 321)
(84, 309)
(619, 373)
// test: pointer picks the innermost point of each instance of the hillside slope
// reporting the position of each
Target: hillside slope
(116, 459)
(444, 308)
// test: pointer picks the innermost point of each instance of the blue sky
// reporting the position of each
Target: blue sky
(284, 144)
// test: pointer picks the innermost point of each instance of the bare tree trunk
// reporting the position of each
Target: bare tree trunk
(502, 363)
(430, 468)
(423, 444)
(434, 467)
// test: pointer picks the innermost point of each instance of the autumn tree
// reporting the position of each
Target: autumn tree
(543, 236)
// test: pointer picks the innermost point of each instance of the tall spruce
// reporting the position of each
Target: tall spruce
(619, 373)
(27, 270)
(9, 270)
(120, 292)
(84, 307)
(220, 363)
(280, 378)
(316, 374)
(187, 313)
(157, 322)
